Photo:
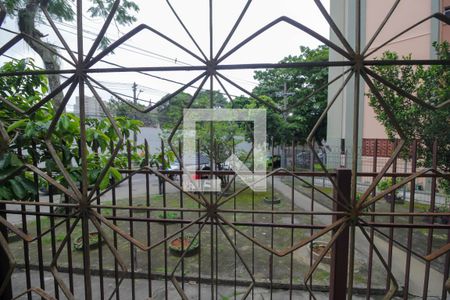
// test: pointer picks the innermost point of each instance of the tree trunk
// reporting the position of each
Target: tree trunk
(2, 13)
(27, 25)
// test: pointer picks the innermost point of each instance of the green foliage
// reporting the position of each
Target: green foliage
(384, 184)
(224, 132)
(62, 10)
(29, 133)
(119, 108)
(19, 187)
(293, 85)
(430, 84)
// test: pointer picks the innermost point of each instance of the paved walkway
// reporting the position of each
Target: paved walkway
(141, 289)
(417, 272)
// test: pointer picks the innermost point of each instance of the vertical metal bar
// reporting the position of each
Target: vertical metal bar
(114, 214)
(100, 246)
(53, 231)
(311, 166)
(291, 274)
(200, 234)
(234, 231)
(371, 233)
(216, 150)
(340, 253)
(69, 249)
(430, 231)
(4, 263)
(180, 149)
(211, 32)
(446, 268)
(355, 140)
(130, 224)
(26, 249)
(38, 220)
(410, 221)
(164, 167)
(211, 155)
(84, 153)
(148, 227)
(272, 228)
(392, 220)
(253, 216)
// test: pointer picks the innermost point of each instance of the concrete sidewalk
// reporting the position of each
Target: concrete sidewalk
(158, 289)
(417, 272)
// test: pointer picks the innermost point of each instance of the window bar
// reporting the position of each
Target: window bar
(430, 231)
(114, 215)
(51, 193)
(163, 155)
(26, 249)
(391, 220)
(291, 274)
(371, 231)
(100, 246)
(148, 215)
(410, 220)
(130, 214)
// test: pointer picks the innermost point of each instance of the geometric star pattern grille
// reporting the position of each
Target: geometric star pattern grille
(358, 70)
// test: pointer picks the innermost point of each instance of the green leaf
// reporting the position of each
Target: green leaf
(27, 184)
(5, 161)
(15, 161)
(6, 193)
(18, 190)
(115, 173)
(65, 122)
(105, 181)
(17, 124)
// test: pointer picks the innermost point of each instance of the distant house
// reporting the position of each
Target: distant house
(92, 107)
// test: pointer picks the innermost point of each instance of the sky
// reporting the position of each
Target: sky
(147, 49)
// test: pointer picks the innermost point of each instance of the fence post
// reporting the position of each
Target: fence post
(4, 263)
(339, 255)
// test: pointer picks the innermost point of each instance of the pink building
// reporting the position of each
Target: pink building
(417, 42)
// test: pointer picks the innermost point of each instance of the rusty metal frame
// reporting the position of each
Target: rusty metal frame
(210, 211)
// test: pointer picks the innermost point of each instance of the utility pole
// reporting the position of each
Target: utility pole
(135, 112)
(285, 94)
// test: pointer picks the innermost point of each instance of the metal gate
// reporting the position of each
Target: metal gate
(234, 249)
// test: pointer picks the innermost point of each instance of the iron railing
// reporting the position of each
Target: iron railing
(243, 249)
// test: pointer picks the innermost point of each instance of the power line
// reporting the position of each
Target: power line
(163, 58)
(119, 66)
(150, 53)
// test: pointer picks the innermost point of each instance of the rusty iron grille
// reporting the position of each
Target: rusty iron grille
(218, 217)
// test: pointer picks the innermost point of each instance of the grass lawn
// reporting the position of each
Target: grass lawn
(419, 236)
(228, 263)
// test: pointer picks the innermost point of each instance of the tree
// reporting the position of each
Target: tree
(28, 12)
(276, 124)
(224, 132)
(418, 122)
(119, 108)
(170, 112)
(27, 137)
(288, 88)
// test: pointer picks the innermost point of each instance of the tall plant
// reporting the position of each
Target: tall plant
(27, 138)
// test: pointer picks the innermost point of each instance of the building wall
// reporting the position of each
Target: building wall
(92, 107)
(416, 42)
(340, 116)
(445, 29)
